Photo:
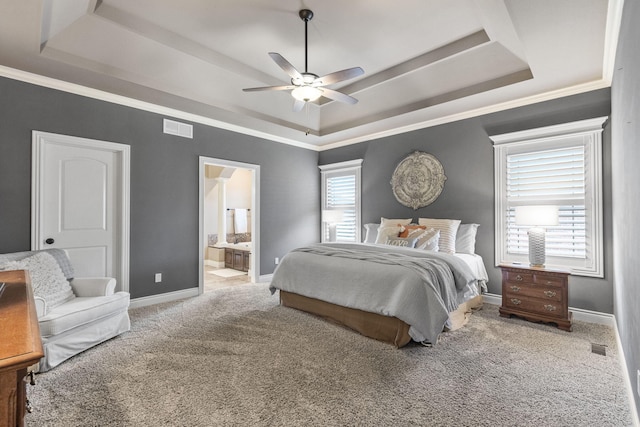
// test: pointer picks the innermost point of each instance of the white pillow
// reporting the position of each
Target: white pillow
(371, 232)
(386, 232)
(448, 230)
(466, 238)
(427, 239)
(47, 279)
(385, 222)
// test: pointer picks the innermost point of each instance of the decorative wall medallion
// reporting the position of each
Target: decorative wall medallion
(418, 180)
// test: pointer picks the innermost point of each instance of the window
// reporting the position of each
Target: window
(341, 192)
(561, 166)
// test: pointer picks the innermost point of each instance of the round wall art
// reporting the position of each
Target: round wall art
(418, 180)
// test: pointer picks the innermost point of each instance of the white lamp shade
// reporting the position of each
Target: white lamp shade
(537, 216)
(306, 93)
(332, 216)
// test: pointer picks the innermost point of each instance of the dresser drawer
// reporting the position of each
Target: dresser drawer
(534, 305)
(545, 279)
(550, 293)
(518, 277)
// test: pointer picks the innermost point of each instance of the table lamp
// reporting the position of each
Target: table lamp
(537, 217)
(332, 217)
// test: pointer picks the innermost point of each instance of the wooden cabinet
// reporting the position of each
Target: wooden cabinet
(228, 258)
(237, 259)
(536, 294)
(246, 256)
(21, 345)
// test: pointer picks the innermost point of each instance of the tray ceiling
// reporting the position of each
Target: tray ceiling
(426, 61)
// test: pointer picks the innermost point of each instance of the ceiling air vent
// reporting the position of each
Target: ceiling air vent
(179, 129)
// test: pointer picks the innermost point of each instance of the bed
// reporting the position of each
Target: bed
(392, 294)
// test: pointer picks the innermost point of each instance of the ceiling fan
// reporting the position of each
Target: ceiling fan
(307, 87)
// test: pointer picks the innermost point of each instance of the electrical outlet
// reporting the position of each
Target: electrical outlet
(277, 260)
(158, 277)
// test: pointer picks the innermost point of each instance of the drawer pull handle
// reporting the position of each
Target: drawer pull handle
(516, 301)
(549, 282)
(515, 288)
(519, 278)
(550, 307)
(550, 294)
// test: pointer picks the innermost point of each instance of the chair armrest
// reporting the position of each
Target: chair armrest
(41, 306)
(93, 286)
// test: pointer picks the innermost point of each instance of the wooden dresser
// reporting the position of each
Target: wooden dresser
(536, 294)
(20, 345)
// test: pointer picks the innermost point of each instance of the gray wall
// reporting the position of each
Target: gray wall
(625, 121)
(466, 152)
(164, 181)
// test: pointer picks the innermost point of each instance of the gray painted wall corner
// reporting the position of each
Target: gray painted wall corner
(625, 156)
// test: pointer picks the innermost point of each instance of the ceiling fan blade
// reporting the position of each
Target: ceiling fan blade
(285, 65)
(298, 105)
(257, 89)
(338, 76)
(338, 96)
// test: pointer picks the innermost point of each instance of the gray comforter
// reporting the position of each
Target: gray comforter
(418, 287)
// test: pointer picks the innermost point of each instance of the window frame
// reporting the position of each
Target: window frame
(340, 169)
(586, 133)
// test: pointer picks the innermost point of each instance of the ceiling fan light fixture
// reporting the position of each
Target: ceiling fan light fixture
(306, 93)
(308, 87)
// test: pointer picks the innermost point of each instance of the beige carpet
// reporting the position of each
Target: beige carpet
(234, 357)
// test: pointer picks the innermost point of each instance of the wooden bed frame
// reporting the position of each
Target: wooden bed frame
(383, 328)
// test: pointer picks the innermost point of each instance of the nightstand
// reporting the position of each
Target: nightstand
(536, 294)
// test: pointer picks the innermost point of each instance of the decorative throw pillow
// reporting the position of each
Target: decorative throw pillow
(466, 238)
(427, 239)
(448, 230)
(370, 232)
(47, 279)
(410, 228)
(386, 232)
(403, 242)
(385, 222)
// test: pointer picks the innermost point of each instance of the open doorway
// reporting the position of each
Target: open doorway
(229, 230)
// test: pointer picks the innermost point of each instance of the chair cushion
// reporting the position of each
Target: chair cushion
(80, 311)
(47, 279)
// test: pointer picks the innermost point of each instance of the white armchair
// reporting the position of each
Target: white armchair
(93, 314)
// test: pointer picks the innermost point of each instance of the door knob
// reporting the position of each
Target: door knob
(49, 241)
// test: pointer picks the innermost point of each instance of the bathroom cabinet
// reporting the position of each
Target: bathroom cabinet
(237, 259)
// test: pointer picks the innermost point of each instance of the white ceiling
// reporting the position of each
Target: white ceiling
(426, 62)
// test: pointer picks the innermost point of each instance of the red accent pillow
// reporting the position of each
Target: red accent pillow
(409, 228)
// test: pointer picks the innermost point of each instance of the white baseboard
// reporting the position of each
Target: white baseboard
(166, 297)
(627, 378)
(493, 299)
(578, 313)
(265, 278)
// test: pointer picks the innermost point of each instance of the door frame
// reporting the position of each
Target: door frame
(255, 215)
(123, 153)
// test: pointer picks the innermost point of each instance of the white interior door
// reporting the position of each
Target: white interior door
(78, 200)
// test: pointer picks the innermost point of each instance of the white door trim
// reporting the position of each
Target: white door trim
(39, 140)
(254, 268)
